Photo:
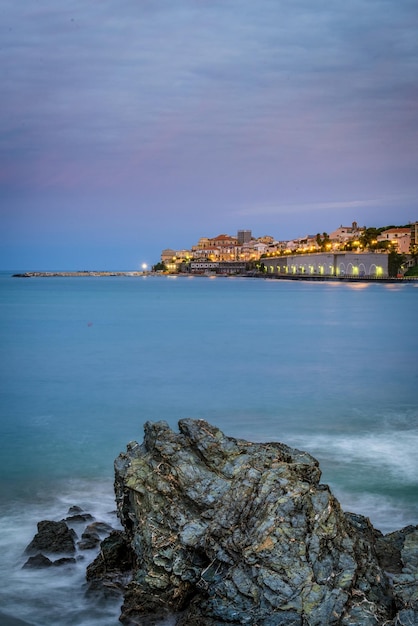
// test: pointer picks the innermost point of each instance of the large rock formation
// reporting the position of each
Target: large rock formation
(227, 531)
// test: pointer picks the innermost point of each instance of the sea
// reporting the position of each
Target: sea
(326, 367)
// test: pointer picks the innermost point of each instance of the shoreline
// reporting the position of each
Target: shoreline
(135, 273)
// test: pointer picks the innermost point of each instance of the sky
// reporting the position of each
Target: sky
(130, 126)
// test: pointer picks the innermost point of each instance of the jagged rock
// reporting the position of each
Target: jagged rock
(52, 537)
(229, 531)
(37, 562)
(89, 541)
(74, 510)
(92, 535)
(398, 553)
(76, 514)
(115, 555)
(111, 570)
(79, 518)
(65, 560)
(41, 561)
(101, 528)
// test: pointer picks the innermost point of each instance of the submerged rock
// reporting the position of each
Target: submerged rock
(40, 561)
(76, 514)
(89, 540)
(102, 528)
(228, 531)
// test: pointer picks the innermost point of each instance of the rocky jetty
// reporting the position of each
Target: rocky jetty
(76, 274)
(224, 531)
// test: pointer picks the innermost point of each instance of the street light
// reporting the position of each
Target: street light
(144, 267)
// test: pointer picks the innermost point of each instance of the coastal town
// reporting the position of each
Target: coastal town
(348, 251)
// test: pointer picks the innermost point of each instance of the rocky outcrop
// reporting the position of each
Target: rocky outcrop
(224, 531)
(52, 537)
(59, 537)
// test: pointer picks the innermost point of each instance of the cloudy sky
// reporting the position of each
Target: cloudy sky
(128, 126)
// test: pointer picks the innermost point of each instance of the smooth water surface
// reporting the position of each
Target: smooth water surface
(329, 367)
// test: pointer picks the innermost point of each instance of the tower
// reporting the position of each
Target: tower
(243, 236)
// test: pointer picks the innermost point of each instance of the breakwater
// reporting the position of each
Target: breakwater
(76, 274)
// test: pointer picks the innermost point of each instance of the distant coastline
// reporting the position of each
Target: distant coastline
(303, 277)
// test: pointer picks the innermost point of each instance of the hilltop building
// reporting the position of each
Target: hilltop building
(346, 233)
(399, 238)
(168, 255)
(209, 252)
(266, 239)
(225, 244)
(173, 259)
(414, 237)
(243, 236)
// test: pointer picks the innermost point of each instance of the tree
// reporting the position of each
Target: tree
(368, 237)
(159, 267)
(323, 240)
(395, 261)
(413, 271)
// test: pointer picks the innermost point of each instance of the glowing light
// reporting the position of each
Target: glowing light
(144, 267)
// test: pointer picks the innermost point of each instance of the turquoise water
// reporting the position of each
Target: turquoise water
(327, 367)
